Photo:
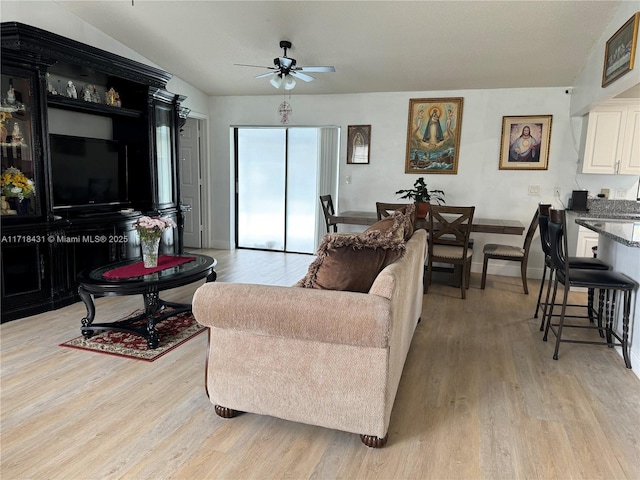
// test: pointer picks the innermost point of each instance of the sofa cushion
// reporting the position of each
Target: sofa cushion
(352, 262)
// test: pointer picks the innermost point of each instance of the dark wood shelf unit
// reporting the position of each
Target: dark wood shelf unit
(66, 103)
(45, 247)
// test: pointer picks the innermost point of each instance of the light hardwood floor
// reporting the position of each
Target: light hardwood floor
(480, 398)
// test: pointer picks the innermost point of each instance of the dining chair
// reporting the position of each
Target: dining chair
(449, 231)
(386, 209)
(582, 263)
(327, 209)
(609, 283)
(498, 251)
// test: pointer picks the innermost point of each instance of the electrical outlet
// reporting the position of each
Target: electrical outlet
(348, 179)
(534, 190)
(557, 191)
(621, 193)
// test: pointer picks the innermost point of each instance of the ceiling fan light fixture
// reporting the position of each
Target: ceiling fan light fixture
(289, 82)
(276, 81)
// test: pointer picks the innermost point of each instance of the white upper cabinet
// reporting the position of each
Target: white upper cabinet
(612, 143)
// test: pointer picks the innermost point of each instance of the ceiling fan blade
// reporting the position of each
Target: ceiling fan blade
(268, 74)
(316, 69)
(301, 76)
(256, 66)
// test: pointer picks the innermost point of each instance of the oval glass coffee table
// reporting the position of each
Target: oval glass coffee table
(114, 280)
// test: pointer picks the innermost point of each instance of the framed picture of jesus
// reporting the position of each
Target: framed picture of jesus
(525, 142)
(433, 135)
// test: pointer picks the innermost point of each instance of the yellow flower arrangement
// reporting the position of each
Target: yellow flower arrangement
(4, 116)
(16, 184)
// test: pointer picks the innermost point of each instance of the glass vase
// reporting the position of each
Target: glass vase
(149, 245)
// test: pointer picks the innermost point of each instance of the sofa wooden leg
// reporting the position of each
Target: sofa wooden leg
(225, 412)
(373, 441)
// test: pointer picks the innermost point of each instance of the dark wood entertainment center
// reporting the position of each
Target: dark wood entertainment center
(54, 86)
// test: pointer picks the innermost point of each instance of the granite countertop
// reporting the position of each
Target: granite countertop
(618, 209)
(626, 232)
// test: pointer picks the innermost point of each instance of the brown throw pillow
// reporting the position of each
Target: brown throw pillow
(352, 262)
(406, 216)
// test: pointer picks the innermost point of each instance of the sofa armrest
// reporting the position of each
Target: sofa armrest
(349, 318)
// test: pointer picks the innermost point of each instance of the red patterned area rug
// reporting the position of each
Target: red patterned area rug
(173, 332)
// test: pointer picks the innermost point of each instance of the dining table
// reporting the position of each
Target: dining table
(498, 226)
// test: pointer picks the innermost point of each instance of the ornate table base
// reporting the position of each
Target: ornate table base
(149, 286)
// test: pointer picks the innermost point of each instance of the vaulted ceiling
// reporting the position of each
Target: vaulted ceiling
(376, 46)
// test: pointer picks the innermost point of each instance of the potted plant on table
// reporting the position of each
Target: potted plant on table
(422, 196)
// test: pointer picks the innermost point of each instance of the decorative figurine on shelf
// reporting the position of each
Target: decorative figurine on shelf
(118, 102)
(110, 97)
(11, 95)
(4, 116)
(6, 208)
(50, 88)
(71, 90)
(87, 92)
(95, 96)
(16, 134)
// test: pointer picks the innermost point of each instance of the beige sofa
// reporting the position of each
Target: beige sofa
(321, 357)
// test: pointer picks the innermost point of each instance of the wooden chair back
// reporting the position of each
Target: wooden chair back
(531, 232)
(449, 232)
(386, 209)
(450, 225)
(327, 209)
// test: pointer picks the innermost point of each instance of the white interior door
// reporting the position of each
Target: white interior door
(190, 181)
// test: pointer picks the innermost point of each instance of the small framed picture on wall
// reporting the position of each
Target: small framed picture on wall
(358, 143)
(525, 142)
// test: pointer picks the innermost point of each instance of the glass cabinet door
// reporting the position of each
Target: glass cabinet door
(164, 155)
(18, 165)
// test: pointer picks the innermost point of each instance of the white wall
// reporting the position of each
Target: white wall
(479, 182)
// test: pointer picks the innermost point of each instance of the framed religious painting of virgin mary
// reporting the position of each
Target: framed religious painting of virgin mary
(525, 142)
(433, 135)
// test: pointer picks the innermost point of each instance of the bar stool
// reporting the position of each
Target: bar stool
(608, 283)
(574, 262)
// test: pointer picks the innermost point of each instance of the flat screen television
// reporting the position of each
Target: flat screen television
(88, 173)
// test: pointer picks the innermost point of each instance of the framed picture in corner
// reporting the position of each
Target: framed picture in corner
(433, 135)
(620, 51)
(525, 142)
(358, 143)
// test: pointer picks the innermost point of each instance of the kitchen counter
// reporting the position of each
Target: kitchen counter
(619, 246)
(626, 232)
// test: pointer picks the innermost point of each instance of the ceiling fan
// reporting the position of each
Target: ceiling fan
(285, 69)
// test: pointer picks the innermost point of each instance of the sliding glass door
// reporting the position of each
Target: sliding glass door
(277, 177)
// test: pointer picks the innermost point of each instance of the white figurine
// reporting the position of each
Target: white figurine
(16, 134)
(11, 95)
(50, 88)
(71, 90)
(86, 93)
(95, 96)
